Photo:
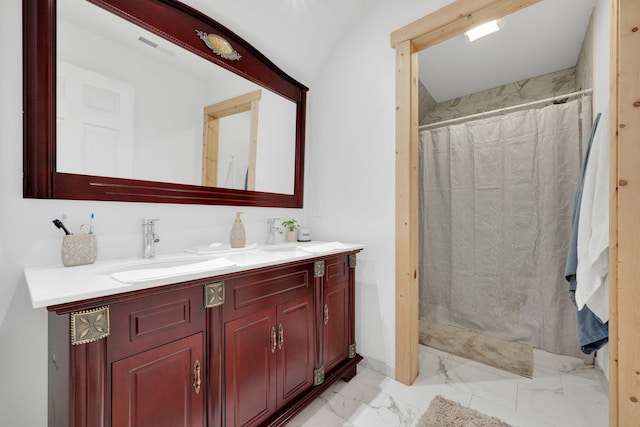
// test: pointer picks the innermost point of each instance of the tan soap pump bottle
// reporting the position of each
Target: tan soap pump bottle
(238, 239)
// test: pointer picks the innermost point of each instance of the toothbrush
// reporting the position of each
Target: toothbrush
(60, 225)
(91, 224)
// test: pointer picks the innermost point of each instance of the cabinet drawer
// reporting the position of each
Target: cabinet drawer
(144, 323)
(256, 291)
(336, 271)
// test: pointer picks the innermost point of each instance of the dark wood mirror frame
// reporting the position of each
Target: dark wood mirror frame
(173, 21)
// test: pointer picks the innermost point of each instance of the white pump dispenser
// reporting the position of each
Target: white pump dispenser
(238, 238)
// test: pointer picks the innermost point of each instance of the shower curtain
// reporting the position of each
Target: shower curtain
(495, 213)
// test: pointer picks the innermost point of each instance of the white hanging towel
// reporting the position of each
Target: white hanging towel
(592, 274)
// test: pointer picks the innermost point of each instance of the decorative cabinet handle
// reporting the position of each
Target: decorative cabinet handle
(326, 314)
(196, 376)
(280, 336)
(273, 339)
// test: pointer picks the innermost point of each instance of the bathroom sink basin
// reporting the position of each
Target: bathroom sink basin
(165, 269)
(219, 249)
(304, 247)
(144, 264)
(280, 248)
(192, 262)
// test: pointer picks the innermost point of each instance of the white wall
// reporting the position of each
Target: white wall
(352, 172)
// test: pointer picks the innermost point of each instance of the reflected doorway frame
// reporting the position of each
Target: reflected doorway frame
(624, 322)
(211, 136)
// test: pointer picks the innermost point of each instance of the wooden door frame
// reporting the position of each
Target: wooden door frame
(624, 206)
(452, 20)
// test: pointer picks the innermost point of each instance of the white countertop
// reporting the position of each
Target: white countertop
(52, 285)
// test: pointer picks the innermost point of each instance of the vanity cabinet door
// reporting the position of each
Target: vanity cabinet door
(268, 360)
(295, 348)
(337, 320)
(250, 368)
(160, 387)
(336, 325)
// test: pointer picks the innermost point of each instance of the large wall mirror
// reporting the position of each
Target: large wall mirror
(152, 101)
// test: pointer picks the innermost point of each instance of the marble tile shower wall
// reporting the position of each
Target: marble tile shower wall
(584, 67)
(540, 87)
(426, 104)
(534, 88)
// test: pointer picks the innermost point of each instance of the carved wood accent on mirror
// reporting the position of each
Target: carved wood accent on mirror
(164, 164)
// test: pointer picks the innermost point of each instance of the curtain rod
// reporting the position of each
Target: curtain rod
(505, 109)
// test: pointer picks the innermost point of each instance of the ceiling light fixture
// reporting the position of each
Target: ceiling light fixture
(483, 30)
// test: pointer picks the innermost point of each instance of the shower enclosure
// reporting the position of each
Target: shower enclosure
(495, 215)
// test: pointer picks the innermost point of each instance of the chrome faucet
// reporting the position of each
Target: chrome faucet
(271, 230)
(149, 238)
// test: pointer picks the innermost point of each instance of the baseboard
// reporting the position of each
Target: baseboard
(378, 366)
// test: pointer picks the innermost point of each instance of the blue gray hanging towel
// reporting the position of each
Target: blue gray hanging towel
(592, 332)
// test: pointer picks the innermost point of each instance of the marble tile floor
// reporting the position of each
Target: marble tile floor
(563, 392)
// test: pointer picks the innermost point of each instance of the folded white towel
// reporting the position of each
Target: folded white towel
(322, 247)
(593, 229)
(147, 274)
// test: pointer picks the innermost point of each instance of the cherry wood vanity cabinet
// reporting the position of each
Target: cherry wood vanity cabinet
(249, 348)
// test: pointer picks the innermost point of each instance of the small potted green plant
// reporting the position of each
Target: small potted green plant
(291, 225)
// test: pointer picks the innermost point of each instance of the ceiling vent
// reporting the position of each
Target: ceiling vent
(155, 45)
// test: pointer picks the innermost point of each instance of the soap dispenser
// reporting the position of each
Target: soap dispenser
(238, 238)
